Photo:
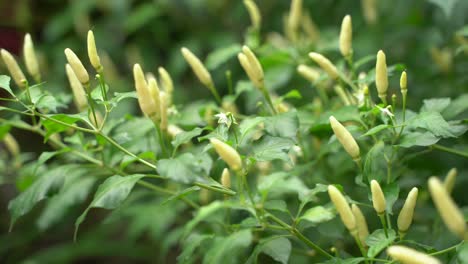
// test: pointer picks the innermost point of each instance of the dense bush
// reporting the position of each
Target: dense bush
(305, 135)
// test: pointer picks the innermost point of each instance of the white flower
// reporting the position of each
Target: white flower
(386, 111)
(360, 97)
(224, 119)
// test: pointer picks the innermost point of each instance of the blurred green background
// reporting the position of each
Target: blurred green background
(424, 35)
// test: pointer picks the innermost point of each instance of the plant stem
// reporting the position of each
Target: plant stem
(161, 140)
(300, 236)
(267, 96)
(384, 225)
(215, 189)
(450, 150)
(446, 250)
(215, 93)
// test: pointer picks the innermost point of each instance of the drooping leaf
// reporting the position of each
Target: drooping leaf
(5, 84)
(49, 182)
(226, 249)
(189, 247)
(282, 125)
(391, 192)
(271, 148)
(277, 247)
(318, 214)
(432, 122)
(110, 194)
(75, 190)
(377, 241)
(375, 162)
(418, 139)
(456, 107)
(248, 125)
(185, 168)
(185, 137)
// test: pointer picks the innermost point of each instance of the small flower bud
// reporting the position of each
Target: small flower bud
(155, 96)
(12, 145)
(254, 13)
(346, 35)
(369, 10)
(407, 255)
(448, 210)
(227, 153)
(92, 52)
(449, 181)
(30, 58)
(252, 67)
(361, 223)
(166, 80)
(77, 66)
(198, 68)
(14, 69)
(406, 214)
(342, 207)
(226, 178)
(403, 82)
(345, 138)
(294, 18)
(378, 198)
(381, 77)
(308, 73)
(79, 95)
(325, 64)
(144, 97)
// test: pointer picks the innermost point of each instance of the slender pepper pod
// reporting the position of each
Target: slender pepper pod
(163, 108)
(449, 181)
(294, 19)
(226, 178)
(407, 255)
(155, 113)
(381, 77)
(346, 36)
(14, 69)
(308, 73)
(79, 94)
(198, 68)
(92, 52)
(325, 64)
(11, 144)
(345, 138)
(254, 13)
(369, 10)
(448, 210)
(406, 214)
(77, 66)
(30, 58)
(403, 82)
(361, 223)
(166, 80)
(227, 153)
(378, 198)
(252, 67)
(141, 86)
(342, 206)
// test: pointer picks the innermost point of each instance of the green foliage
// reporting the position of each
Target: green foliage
(156, 184)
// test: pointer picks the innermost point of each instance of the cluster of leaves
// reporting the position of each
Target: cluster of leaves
(169, 195)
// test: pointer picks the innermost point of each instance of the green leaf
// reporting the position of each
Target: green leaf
(418, 139)
(318, 214)
(278, 205)
(277, 247)
(49, 182)
(376, 129)
(435, 105)
(140, 16)
(53, 127)
(225, 249)
(293, 94)
(185, 137)
(462, 253)
(432, 122)
(377, 241)
(190, 245)
(280, 183)
(5, 84)
(185, 168)
(222, 55)
(45, 156)
(272, 148)
(282, 125)
(344, 261)
(374, 163)
(445, 5)
(248, 125)
(122, 96)
(74, 191)
(181, 194)
(456, 107)
(110, 194)
(391, 192)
